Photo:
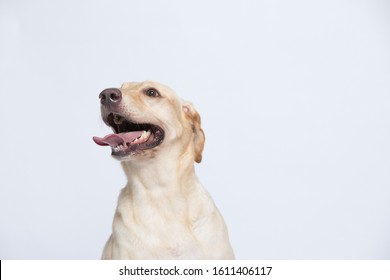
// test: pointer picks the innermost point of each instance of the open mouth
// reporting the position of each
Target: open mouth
(129, 137)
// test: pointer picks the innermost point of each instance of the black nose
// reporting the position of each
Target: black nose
(110, 96)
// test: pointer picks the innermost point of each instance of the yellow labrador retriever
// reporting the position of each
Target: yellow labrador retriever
(163, 212)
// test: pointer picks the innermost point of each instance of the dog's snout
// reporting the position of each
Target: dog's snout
(110, 96)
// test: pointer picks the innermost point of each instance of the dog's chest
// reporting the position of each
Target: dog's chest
(156, 227)
(157, 239)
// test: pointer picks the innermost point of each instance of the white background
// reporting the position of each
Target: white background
(295, 103)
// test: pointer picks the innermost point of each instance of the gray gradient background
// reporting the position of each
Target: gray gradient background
(294, 98)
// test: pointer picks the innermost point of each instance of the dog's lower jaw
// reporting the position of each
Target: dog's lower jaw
(152, 170)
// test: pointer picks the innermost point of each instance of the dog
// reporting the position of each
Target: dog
(163, 212)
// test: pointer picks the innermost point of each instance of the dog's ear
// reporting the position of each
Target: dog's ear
(194, 118)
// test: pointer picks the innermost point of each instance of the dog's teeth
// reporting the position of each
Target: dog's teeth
(144, 135)
(120, 147)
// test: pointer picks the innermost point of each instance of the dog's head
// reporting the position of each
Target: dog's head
(147, 118)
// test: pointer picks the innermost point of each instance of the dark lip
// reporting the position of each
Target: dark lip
(156, 138)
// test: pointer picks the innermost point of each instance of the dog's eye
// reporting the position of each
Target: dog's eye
(152, 92)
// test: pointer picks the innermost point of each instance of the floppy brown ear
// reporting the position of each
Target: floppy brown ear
(193, 116)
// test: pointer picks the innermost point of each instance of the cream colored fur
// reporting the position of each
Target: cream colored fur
(164, 212)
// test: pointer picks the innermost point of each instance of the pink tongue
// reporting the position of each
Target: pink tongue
(117, 139)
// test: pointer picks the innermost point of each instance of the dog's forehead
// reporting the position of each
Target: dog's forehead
(139, 86)
(130, 85)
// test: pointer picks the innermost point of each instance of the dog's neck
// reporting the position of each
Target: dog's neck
(157, 173)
